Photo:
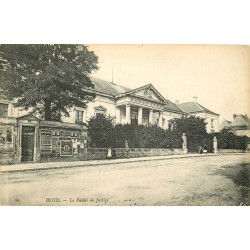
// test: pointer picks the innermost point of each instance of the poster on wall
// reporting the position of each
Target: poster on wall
(46, 141)
(66, 148)
(5, 136)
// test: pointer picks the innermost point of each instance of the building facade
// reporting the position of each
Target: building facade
(26, 137)
(144, 105)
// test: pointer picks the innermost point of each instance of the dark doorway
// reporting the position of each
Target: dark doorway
(134, 122)
(28, 135)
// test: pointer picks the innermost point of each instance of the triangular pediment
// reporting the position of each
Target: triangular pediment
(148, 92)
(29, 116)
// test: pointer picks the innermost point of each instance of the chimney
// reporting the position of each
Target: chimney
(195, 98)
(177, 102)
(234, 116)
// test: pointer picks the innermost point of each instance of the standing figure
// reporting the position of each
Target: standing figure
(109, 154)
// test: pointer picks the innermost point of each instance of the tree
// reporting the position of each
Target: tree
(194, 128)
(100, 131)
(191, 126)
(151, 136)
(50, 78)
(228, 140)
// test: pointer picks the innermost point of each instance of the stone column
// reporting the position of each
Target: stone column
(35, 146)
(184, 143)
(139, 115)
(9, 112)
(84, 116)
(118, 115)
(215, 144)
(160, 119)
(150, 118)
(128, 119)
(20, 142)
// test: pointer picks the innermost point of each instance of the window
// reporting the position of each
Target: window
(100, 110)
(212, 123)
(78, 116)
(3, 110)
(163, 123)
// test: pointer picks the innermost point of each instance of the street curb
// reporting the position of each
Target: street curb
(112, 162)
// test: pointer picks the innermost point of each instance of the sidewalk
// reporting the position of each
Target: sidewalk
(59, 165)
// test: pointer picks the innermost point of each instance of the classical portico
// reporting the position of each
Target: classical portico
(127, 114)
(142, 106)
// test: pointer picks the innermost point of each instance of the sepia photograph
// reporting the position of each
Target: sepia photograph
(124, 125)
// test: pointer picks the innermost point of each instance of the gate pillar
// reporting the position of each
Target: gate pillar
(184, 143)
(215, 145)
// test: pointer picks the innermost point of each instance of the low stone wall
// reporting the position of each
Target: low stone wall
(101, 153)
(229, 151)
(7, 159)
(7, 156)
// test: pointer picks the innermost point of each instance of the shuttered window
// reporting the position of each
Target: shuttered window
(79, 116)
(3, 110)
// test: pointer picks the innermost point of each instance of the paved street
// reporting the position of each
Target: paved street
(211, 180)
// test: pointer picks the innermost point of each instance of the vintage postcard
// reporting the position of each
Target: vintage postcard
(124, 125)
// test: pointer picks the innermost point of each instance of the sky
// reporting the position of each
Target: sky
(218, 75)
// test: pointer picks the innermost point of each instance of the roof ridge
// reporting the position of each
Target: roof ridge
(206, 109)
(195, 107)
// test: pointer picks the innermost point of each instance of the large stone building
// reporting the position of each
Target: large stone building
(144, 105)
(25, 137)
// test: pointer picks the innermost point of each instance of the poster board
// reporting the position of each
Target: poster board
(66, 148)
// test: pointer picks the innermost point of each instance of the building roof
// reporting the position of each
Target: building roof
(116, 90)
(194, 107)
(229, 122)
(240, 121)
(107, 87)
(225, 124)
(171, 106)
